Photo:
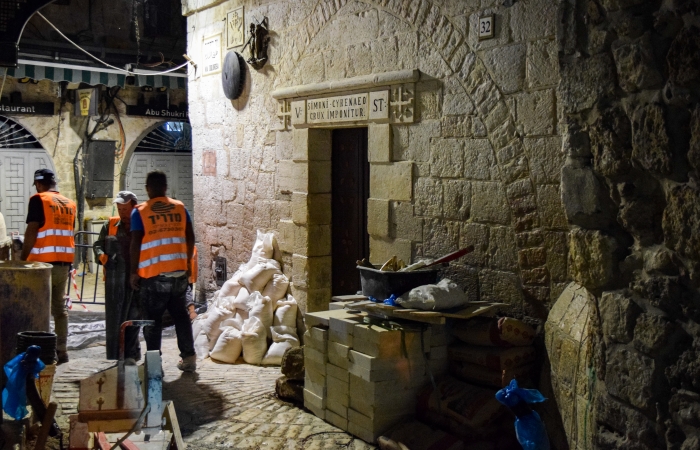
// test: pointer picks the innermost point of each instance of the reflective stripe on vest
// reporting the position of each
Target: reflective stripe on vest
(54, 240)
(194, 267)
(164, 246)
(112, 226)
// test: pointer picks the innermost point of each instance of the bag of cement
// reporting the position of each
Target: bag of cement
(276, 288)
(254, 337)
(283, 338)
(227, 303)
(230, 288)
(231, 323)
(265, 244)
(503, 332)
(210, 325)
(262, 309)
(242, 300)
(286, 313)
(201, 345)
(197, 324)
(434, 297)
(228, 347)
(260, 274)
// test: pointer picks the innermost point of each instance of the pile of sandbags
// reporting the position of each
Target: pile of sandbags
(492, 351)
(251, 315)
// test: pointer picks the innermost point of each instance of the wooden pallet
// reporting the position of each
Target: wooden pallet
(473, 309)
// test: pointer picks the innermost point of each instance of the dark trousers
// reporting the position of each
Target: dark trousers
(131, 311)
(161, 293)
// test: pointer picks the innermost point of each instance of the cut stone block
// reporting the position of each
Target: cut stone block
(338, 354)
(368, 395)
(314, 401)
(401, 370)
(348, 298)
(382, 343)
(314, 366)
(315, 383)
(316, 339)
(341, 330)
(337, 420)
(314, 355)
(322, 318)
(336, 305)
(319, 334)
(365, 427)
(338, 392)
(338, 373)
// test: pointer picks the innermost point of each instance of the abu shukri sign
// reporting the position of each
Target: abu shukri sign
(170, 113)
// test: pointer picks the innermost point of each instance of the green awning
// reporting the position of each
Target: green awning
(75, 74)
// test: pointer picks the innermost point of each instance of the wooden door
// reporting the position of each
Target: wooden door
(350, 190)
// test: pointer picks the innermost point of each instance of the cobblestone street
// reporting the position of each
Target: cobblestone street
(219, 406)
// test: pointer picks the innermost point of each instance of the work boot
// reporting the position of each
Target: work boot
(61, 356)
(188, 364)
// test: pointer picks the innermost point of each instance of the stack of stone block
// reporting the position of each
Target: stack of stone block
(364, 378)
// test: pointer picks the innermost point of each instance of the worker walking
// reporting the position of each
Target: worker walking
(162, 244)
(49, 239)
(121, 301)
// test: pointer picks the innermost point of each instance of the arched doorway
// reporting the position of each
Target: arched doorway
(20, 155)
(167, 148)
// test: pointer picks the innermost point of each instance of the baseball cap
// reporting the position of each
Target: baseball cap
(44, 174)
(125, 197)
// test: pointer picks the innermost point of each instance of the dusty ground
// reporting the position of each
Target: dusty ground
(220, 406)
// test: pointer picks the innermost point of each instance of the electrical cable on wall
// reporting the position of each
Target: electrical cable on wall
(102, 62)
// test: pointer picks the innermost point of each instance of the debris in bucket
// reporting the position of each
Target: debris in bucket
(393, 265)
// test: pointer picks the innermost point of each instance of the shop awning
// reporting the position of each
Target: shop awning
(39, 70)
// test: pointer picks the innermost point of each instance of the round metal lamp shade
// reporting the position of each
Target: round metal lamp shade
(233, 75)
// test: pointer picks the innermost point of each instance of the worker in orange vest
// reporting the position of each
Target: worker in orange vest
(191, 303)
(162, 245)
(49, 239)
(122, 302)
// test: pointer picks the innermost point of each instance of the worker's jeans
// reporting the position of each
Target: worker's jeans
(161, 293)
(59, 278)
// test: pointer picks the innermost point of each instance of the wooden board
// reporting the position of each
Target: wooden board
(434, 317)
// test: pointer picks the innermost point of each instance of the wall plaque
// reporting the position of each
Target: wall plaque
(379, 105)
(298, 112)
(211, 55)
(209, 163)
(344, 108)
(235, 28)
(486, 27)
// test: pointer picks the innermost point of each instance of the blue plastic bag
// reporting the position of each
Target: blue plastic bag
(528, 426)
(14, 396)
(391, 301)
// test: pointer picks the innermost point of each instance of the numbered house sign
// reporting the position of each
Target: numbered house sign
(486, 26)
(211, 55)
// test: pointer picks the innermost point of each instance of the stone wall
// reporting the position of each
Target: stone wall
(629, 107)
(62, 134)
(478, 162)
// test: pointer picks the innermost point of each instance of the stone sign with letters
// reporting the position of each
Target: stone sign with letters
(359, 107)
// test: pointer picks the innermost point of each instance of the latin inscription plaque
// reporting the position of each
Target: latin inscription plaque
(345, 108)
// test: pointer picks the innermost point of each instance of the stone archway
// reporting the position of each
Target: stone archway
(454, 56)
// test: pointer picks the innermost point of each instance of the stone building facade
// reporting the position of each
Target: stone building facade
(564, 149)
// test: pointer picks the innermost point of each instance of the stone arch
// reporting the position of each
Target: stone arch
(490, 108)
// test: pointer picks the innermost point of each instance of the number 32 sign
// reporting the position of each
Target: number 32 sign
(486, 27)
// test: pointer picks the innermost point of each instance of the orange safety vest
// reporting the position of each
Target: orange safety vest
(54, 241)
(194, 266)
(164, 247)
(112, 227)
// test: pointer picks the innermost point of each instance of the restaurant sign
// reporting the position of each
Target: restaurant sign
(170, 113)
(34, 109)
